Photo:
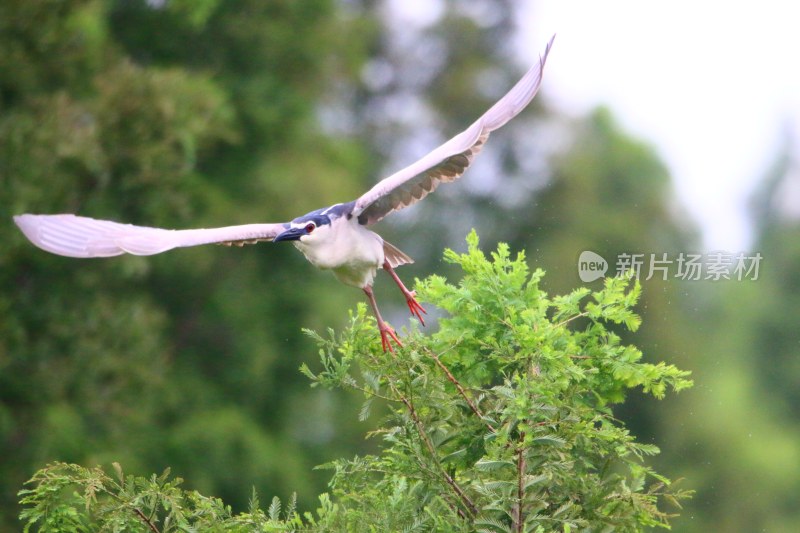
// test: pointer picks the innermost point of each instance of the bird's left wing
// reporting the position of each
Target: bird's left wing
(75, 236)
(447, 162)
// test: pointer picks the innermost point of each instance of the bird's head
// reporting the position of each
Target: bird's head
(315, 226)
(306, 229)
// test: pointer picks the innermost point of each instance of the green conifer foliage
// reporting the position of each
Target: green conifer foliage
(499, 421)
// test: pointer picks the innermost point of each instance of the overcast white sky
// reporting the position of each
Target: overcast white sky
(713, 85)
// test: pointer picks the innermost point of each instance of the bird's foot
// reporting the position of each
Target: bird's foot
(387, 336)
(414, 306)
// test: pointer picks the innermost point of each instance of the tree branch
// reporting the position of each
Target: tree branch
(465, 499)
(146, 520)
(519, 515)
(461, 391)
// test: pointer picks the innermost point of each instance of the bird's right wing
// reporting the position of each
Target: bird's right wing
(449, 161)
(75, 236)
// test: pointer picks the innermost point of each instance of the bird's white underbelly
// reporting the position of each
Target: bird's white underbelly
(354, 254)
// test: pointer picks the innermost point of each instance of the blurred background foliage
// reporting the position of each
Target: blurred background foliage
(209, 113)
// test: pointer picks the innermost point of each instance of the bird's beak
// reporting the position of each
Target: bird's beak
(291, 234)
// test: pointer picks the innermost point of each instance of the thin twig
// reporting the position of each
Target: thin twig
(461, 391)
(570, 319)
(519, 517)
(149, 523)
(370, 392)
(579, 315)
(146, 520)
(465, 499)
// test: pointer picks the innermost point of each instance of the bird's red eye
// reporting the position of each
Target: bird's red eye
(310, 227)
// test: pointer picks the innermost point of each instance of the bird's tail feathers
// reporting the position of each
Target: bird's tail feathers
(394, 256)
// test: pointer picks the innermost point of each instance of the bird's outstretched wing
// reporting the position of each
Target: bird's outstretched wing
(447, 162)
(75, 236)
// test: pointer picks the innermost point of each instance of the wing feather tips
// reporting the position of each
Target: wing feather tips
(76, 236)
(27, 224)
(57, 238)
(82, 237)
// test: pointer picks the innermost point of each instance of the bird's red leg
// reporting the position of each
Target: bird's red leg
(413, 305)
(386, 331)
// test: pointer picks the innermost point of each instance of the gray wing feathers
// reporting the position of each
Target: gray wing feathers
(449, 161)
(75, 236)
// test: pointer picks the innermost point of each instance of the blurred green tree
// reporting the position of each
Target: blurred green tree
(741, 440)
(171, 114)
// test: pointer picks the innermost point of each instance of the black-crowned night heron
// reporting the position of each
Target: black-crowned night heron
(333, 238)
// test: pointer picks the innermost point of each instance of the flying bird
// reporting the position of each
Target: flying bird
(333, 238)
